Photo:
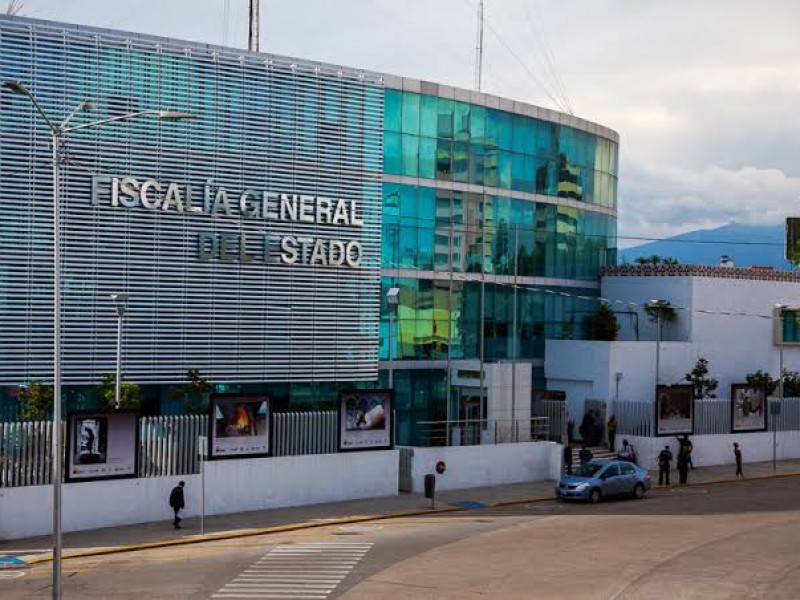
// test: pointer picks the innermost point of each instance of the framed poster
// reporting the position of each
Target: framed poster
(365, 420)
(102, 445)
(748, 408)
(674, 409)
(239, 426)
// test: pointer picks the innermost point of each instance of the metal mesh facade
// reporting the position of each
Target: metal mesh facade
(265, 124)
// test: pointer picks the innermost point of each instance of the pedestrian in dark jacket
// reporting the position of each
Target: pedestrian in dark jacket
(683, 465)
(585, 430)
(664, 464)
(687, 447)
(568, 458)
(738, 454)
(176, 501)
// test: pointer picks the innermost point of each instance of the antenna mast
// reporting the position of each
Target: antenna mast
(479, 48)
(252, 37)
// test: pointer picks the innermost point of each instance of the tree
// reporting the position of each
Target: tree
(791, 384)
(129, 394)
(762, 381)
(194, 393)
(36, 402)
(703, 384)
(660, 310)
(655, 259)
(604, 324)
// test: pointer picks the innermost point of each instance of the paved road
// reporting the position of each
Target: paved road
(737, 540)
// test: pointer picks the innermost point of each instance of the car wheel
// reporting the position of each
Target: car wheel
(595, 496)
(638, 491)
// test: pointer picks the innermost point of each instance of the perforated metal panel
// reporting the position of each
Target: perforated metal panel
(266, 123)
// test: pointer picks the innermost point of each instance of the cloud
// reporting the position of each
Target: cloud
(660, 201)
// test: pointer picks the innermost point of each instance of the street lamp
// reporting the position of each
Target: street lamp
(657, 306)
(779, 310)
(121, 304)
(57, 133)
(392, 299)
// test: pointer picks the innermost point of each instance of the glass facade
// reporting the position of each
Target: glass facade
(438, 138)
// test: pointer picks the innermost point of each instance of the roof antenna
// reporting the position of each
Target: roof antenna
(479, 49)
(252, 37)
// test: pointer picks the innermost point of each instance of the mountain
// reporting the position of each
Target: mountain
(747, 245)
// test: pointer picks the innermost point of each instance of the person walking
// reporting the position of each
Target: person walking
(737, 453)
(683, 466)
(611, 427)
(570, 428)
(664, 464)
(568, 458)
(176, 501)
(597, 429)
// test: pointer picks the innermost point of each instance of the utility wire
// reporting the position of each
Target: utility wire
(487, 23)
(534, 21)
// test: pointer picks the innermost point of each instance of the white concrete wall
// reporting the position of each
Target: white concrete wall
(231, 486)
(640, 290)
(734, 345)
(505, 407)
(586, 369)
(710, 450)
(476, 466)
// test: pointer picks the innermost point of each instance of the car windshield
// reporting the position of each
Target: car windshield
(587, 470)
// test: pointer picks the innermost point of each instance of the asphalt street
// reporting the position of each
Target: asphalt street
(735, 540)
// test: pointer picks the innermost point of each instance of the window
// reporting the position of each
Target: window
(611, 471)
(628, 470)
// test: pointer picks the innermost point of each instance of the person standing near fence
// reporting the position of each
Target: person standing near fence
(177, 502)
(611, 427)
(568, 458)
(737, 453)
(664, 465)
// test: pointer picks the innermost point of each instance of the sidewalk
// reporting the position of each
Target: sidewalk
(30, 551)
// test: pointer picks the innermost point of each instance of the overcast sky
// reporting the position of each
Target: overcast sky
(704, 94)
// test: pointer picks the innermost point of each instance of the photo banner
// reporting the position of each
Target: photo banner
(102, 445)
(674, 409)
(748, 408)
(239, 426)
(365, 420)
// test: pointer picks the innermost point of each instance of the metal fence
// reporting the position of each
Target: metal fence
(473, 432)
(712, 416)
(555, 411)
(167, 445)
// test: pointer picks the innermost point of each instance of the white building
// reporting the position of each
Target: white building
(725, 315)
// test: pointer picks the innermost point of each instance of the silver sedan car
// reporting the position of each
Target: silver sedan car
(597, 480)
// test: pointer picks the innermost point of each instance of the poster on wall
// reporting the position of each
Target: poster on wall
(365, 420)
(239, 426)
(674, 409)
(748, 408)
(102, 445)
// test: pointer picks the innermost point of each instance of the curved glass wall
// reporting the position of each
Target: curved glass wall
(447, 140)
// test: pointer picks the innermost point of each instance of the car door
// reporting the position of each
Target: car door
(628, 478)
(611, 480)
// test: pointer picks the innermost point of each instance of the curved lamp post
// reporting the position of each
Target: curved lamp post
(57, 134)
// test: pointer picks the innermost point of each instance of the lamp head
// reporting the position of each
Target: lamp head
(171, 115)
(120, 301)
(393, 296)
(17, 88)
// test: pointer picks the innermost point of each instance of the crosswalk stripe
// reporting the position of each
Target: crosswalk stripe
(308, 571)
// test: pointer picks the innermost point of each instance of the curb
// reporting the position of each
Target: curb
(20, 562)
